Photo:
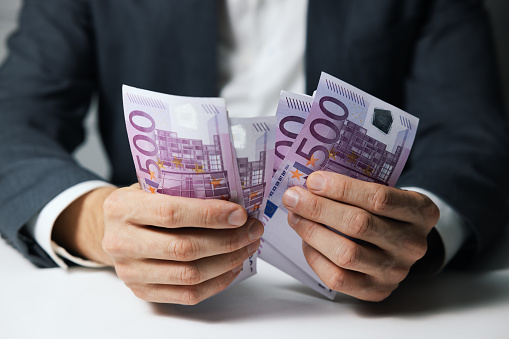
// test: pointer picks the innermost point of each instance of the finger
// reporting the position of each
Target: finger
(184, 244)
(347, 219)
(182, 294)
(356, 284)
(183, 273)
(352, 221)
(375, 198)
(138, 207)
(348, 254)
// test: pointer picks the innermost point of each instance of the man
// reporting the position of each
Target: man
(433, 59)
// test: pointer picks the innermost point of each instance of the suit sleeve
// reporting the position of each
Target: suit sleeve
(461, 150)
(45, 90)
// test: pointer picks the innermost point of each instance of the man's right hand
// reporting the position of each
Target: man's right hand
(166, 249)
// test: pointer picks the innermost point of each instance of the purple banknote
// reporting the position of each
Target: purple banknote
(181, 145)
(254, 140)
(292, 111)
(187, 147)
(349, 132)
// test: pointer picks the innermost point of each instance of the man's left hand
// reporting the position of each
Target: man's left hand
(391, 224)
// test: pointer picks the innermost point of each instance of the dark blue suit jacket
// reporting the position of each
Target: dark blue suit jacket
(432, 58)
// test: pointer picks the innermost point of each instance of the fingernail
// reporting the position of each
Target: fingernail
(237, 269)
(291, 198)
(255, 231)
(253, 247)
(316, 182)
(237, 218)
(293, 218)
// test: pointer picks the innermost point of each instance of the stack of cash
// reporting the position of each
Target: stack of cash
(188, 147)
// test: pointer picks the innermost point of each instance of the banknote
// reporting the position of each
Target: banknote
(292, 111)
(187, 147)
(349, 132)
(181, 147)
(254, 140)
(291, 114)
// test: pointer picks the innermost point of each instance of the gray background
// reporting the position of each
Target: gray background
(91, 154)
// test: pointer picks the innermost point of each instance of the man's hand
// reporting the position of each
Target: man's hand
(392, 225)
(166, 249)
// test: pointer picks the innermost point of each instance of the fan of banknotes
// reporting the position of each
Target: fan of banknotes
(188, 147)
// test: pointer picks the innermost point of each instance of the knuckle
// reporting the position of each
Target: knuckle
(421, 249)
(348, 256)
(190, 295)
(416, 247)
(124, 273)
(341, 189)
(309, 233)
(233, 259)
(337, 281)
(210, 212)
(207, 216)
(223, 282)
(109, 244)
(127, 274)
(112, 203)
(393, 270)
(381, 200)
(190, 274)
(361, 223)
(398, 273)
(311, 255)
(237, 258)
(183, 249)
(233, 241)
(314, 207)
(166, 214)
(112, 245)
(230, 243)
(430, 211)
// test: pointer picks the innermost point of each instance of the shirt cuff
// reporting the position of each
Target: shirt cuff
(40, 226)
(452, 229)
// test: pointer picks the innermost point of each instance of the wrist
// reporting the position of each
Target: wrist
(80, 227)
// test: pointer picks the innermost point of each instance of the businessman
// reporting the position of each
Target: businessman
(433, 59)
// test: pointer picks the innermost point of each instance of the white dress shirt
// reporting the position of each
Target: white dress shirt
(261, 52)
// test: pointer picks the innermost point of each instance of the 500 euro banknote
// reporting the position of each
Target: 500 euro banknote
(253, 140)
(181, 146)
(292, 112)
(349, 132)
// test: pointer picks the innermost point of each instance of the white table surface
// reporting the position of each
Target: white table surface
(85, 303)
